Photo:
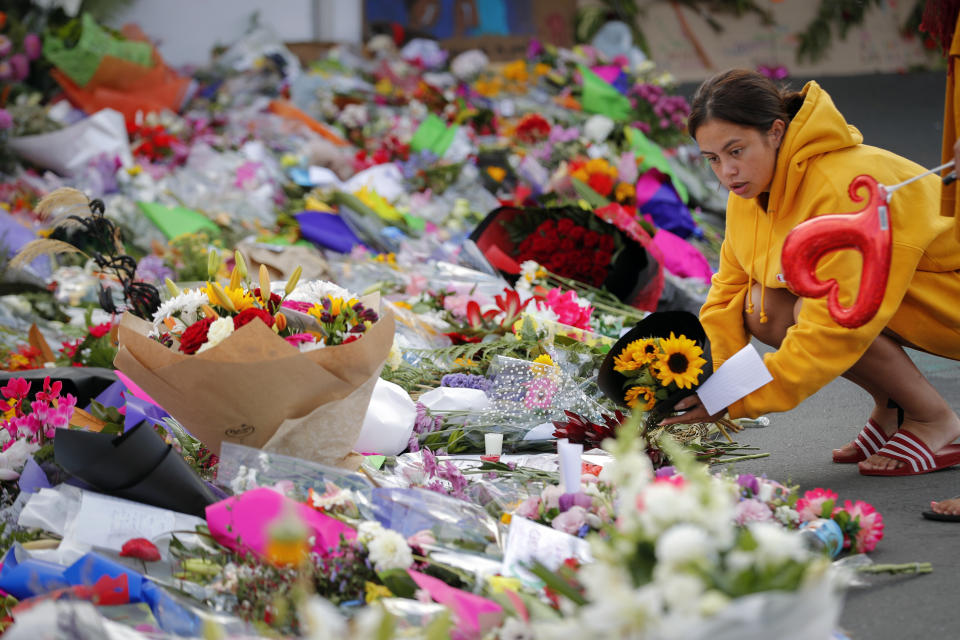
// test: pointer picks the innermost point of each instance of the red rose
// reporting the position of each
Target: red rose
(140, 548)
(247, 315)
(275, 300)
(195, 335)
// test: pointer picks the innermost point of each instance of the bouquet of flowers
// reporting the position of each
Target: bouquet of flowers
(676, 565)
(658, 362)
(572, 243)
(227, 361)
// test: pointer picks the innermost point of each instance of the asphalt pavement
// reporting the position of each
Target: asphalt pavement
(901, 113)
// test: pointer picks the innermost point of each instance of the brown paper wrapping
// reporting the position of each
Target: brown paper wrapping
(257, 390)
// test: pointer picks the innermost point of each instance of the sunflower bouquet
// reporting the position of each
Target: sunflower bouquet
(656, 368)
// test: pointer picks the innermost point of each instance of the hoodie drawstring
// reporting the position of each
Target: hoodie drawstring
(753, 257)
(766, 262)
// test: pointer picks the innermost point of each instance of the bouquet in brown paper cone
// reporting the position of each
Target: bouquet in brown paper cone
(291, 374)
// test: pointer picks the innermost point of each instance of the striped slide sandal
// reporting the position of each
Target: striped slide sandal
(916, 456)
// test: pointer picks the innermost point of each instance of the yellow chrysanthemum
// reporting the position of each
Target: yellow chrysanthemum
(680, 362)
(636, 354)
(624, 191)
(600, 165)
(635, 394)
(241, 299)
(542, 363)
(516, 71)
(489, 87)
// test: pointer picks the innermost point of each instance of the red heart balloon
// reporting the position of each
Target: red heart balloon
(868, 231)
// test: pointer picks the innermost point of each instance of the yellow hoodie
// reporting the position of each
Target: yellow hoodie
(819, 156)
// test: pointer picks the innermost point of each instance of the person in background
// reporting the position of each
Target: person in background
(940, 22)
(787, 157)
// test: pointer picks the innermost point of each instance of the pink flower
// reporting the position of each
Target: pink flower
(32, 46)
(457, 304)
(870, 525)
(571, 520)
(299, 338)
(20, 66)
(810, 506)
(302, 307)
(422, 538)
(17, 388)
(539, 393)
(569, 309)
(51, 392)
(529, 508)
(752, 510)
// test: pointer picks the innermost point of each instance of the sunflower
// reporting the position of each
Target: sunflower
(680, 361)
(636, 354)
(635, 394)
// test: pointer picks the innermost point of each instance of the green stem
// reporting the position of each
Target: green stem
(753, 456)
(906, 567)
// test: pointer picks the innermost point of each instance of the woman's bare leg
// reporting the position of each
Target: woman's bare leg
(885, 371)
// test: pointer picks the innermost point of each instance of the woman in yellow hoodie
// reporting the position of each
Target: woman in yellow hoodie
(787, 157)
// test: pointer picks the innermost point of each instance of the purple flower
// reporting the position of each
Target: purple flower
(5, 46)
(466, 381)
(749, 482)
(578, 499)
(20, 66)
(32, 45)
(424, 422)
(430, 466)
(6, 120)
(665, 472)
(534, 49)
(152, 269)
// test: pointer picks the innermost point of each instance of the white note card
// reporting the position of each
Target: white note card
(742, 373)
(528, 541)
(107, 522)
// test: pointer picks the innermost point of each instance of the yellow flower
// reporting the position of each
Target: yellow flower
(624, 191)
(679, 362)
(497, 173)
(541, 69)
(489, 88)
(313, 203)
(384, 86)
(635, 394)
(600, 165)
(376, 591)
(379, 204)
(580, 174)
(516, 71)
(540, 364)
(464, 363)
(241, 299)
(636, 354)
(134, 170)
(389, 259)
(506, 517)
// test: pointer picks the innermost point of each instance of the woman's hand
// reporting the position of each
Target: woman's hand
(694, 412)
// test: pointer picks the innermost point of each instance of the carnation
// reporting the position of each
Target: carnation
(389, 550)
(870, 522)
(752, 510)
(810, 506)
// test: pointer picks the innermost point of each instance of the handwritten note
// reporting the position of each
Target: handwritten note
(528, 541)
(107, 522)
(742, 373)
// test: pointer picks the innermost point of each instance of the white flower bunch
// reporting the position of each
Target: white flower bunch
(387, 548)
(183, 309)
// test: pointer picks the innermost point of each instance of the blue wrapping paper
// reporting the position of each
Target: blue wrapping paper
(327, 230)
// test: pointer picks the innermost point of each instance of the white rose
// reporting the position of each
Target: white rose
(389, 550)
(683, 544)
(220, 329)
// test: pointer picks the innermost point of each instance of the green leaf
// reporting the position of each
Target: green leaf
(399, 582)
(558, 584)
(439, 628)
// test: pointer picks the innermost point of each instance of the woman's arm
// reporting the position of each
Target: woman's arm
(722, 313)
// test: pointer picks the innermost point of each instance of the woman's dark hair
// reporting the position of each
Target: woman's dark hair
(743, 97)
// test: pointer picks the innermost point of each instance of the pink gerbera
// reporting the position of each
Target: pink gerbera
(870, 525)
(810, 506)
